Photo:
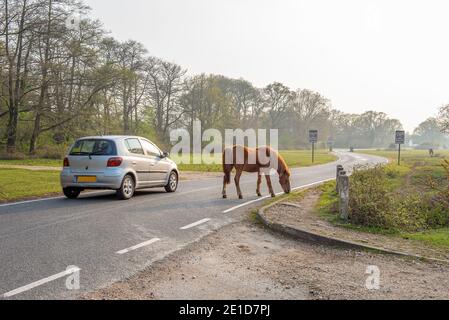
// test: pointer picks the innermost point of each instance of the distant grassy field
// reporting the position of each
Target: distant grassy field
(417, 167)
(33, 162)
(410, 156)
(297, 158)
(294, 158)
(20, 184)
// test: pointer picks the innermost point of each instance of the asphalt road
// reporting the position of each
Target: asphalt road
(109, 240)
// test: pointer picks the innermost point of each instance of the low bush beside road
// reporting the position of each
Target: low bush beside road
(411, 200)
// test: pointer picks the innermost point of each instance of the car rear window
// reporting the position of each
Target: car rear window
(94, 147)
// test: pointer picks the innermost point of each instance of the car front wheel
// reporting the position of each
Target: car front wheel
(71, 193)
(172, 184)
(127, 189)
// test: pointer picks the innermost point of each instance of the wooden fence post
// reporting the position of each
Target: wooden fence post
(343, 186)
(339, 169)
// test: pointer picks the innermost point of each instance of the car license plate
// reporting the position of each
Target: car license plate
(87, 179)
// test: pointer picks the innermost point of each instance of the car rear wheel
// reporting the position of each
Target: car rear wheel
(127, 189)
(71, 193)
(172, 184)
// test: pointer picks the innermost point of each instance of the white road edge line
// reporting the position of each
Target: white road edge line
(87, 194)
(195, 224)
(280, 193)
(41, 282)
(52, 198)
(28, 201)
(140, 245)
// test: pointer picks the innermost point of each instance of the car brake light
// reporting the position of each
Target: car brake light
(66, 162)
(115, 162)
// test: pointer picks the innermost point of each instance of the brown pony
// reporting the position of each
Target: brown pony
(261, 160)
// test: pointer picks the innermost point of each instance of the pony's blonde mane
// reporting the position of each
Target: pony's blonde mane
(283, 167)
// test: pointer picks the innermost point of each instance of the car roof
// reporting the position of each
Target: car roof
(112, 137)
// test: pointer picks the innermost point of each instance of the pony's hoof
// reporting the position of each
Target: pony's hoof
(259, 194)
(225, 196)
(273, 196)
(240, 197)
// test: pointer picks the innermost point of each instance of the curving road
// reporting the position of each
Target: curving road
(109, 240)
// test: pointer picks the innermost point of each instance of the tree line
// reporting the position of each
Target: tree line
(61, 78)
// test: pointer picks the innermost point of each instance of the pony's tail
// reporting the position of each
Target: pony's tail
(227, 168)
(227, 177)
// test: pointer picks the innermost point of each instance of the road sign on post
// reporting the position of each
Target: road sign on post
(400, 140)
(313, 138)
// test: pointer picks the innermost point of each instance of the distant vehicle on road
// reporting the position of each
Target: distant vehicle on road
(121, 163)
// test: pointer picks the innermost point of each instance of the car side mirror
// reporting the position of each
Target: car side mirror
(165, 155)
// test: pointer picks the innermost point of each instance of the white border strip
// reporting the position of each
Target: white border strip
(28, 201)
(41, 282)
(85, 196)
(195, 224)
(140, 245)
(280, 193)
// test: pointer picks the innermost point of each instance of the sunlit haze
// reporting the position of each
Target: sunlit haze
(390, 56)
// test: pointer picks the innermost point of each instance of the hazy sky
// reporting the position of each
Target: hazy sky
(391, 56)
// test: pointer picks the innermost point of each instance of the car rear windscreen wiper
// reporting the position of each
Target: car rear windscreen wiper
(79, 153)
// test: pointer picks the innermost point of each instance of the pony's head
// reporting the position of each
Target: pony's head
(284, 175)
(284, 180)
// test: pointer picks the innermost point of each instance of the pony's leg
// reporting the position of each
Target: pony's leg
(226, 179)
(238, 175)
(259, 182)
(225, 196)
(270, 186)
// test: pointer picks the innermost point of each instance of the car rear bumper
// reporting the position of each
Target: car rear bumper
(111, 179)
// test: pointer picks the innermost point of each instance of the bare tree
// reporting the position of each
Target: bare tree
(444, 118)
(18, 19)
(311, 111)
(165, 90)
(278, 101)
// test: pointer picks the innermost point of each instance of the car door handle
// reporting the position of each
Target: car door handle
(134, 163)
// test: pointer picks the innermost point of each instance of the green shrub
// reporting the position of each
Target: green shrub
(51, 152)
(373, 203)
(12, 156)
(408, 212)
(370, 201)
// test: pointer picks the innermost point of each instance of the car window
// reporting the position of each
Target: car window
(151, 149)
(94, 147)
(134, 146)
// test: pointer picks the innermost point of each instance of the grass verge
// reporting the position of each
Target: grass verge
(23, 184)
(293, 158)
(33, 162)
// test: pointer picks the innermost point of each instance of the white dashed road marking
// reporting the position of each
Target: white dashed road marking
(195, 224)
(140, 245)
(41, 282)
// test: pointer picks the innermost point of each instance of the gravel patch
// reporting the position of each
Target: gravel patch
(246, 261)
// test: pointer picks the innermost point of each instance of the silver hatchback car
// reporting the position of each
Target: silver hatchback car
(121, 163)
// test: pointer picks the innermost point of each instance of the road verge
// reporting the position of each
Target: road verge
(316, 237)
